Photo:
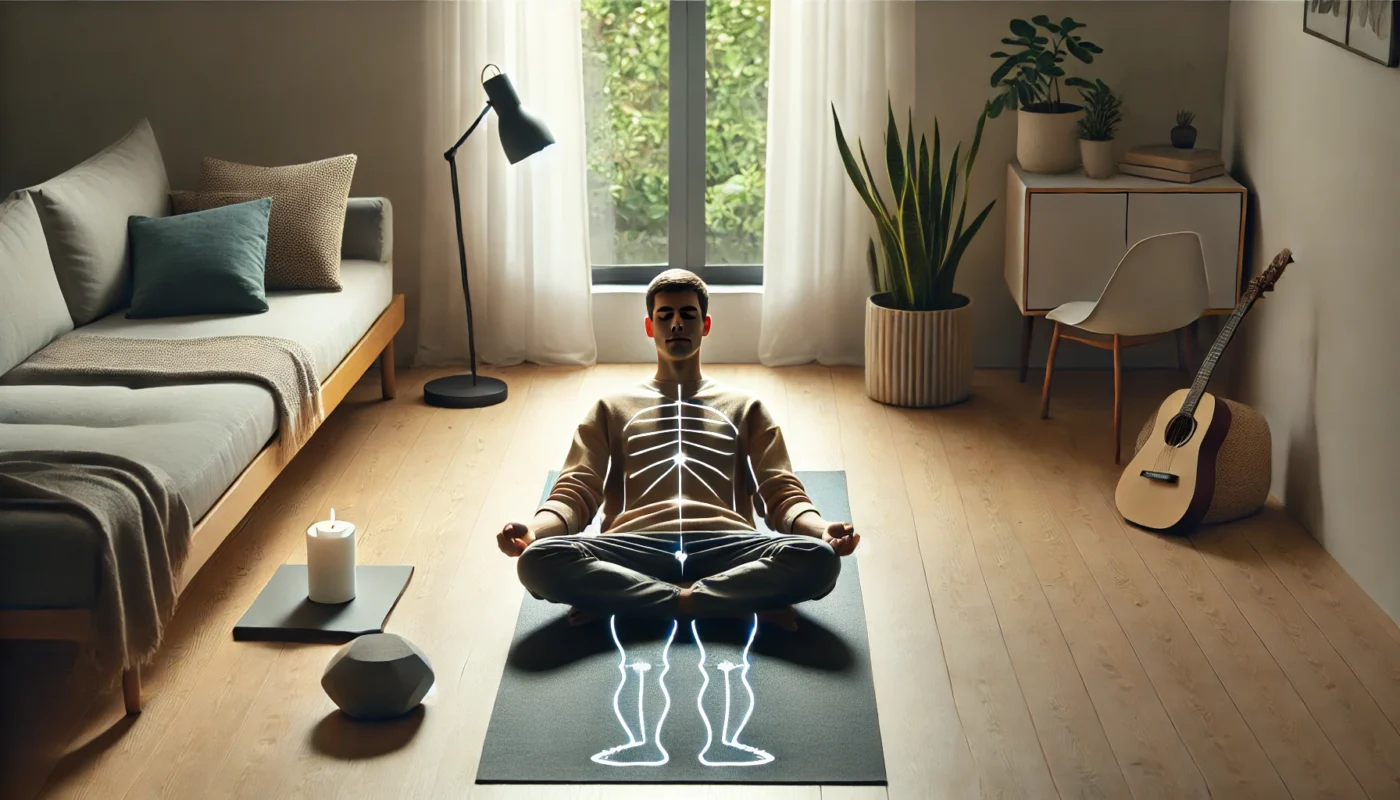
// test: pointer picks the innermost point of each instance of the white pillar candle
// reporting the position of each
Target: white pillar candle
(330, 561)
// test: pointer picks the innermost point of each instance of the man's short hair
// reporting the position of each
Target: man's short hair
(678, 280)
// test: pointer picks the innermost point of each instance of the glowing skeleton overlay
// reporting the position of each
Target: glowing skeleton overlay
(680, 462)
(641, 668)
(731, 739)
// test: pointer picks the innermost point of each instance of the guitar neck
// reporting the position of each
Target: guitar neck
(1198, 387)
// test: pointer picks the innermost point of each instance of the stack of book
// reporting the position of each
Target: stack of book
(1175, 164)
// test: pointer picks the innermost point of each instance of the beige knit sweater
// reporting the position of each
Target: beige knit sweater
(673, 457)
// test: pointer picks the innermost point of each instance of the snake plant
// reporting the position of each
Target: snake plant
(921, 244)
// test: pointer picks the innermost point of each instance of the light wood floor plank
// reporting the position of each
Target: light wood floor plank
(1220, 741)
(1357, 627)
(1014, 512)
(990, 704)
(1346, 711)
(926, 752)
(812, 441)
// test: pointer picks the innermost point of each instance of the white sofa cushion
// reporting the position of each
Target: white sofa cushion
(32, 311)
(84, 212)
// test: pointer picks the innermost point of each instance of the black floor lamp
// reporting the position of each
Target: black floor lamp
(521, 136)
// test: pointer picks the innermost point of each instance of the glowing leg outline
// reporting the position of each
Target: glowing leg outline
(641, 668)
(732, 740)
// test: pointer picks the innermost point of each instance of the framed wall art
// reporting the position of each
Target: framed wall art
(1368, 28)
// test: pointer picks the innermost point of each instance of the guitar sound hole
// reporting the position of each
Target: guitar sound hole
(1180, 429)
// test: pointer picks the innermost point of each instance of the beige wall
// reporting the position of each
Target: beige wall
(258, 82)
(1160, 55)
(1312, 130)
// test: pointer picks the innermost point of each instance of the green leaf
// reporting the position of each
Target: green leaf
(1044, 22)
(1022, 28)
(1079, 52)
(894, 158)
(955, 253)
(935, 240)
(870, 174)
(1067, 25)
(882, 219)
(1000, 54)
(925, 184)
(1080, 82)
(874, 266)
(946, 207)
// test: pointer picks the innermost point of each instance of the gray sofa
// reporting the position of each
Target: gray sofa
(203, 435)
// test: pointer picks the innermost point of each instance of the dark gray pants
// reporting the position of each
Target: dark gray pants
(636, 574)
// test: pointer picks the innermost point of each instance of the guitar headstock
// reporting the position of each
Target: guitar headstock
(1266, 281)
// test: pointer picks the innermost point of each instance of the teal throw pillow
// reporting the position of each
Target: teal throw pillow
(205, 262)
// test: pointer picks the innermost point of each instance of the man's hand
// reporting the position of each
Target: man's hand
(514, 538)
(842, 537)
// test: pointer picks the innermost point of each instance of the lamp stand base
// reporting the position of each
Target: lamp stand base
(461, 391)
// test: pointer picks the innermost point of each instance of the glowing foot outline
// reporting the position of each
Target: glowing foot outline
(641, 668)
(763, 756)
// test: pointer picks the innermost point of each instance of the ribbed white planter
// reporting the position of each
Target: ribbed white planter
(1048, 143)
(918, 359)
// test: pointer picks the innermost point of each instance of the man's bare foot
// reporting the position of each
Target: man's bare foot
(579, 616)
(785, 618)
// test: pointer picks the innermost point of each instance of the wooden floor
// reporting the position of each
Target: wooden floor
(1025, 642)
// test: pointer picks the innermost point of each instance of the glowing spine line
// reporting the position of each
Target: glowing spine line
(605, 757)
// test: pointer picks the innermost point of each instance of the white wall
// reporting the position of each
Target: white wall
(1311, 129)
(257, 82)
(619, 311)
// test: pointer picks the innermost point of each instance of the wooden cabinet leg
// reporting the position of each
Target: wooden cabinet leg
(1027, 328)
(388, 381)
(131, 690)
(1049, 370)
(1117, 397)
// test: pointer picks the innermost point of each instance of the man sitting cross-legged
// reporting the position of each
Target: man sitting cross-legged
(675, 463)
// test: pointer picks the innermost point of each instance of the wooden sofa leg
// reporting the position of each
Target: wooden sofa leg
(388, 381)
(131, 690)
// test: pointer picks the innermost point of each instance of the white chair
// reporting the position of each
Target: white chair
(1159, 287)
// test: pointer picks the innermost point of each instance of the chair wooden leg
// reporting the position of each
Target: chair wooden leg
(131, 690)
(1049, 370)
(1117, 397)
(388, 381)
(1027, 329)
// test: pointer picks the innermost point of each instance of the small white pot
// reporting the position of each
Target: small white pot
(1098, 158)
(1047, 143)
(918, 359)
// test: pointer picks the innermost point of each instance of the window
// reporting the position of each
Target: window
(676, 106)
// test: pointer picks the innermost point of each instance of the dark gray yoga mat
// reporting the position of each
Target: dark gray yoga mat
(812, 719)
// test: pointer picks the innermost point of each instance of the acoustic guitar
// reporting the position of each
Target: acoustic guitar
(1169, 484)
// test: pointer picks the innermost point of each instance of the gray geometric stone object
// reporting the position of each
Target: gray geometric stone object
(378, 676)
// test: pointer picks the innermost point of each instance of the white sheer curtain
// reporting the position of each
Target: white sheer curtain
(525, 225)
(853, 54)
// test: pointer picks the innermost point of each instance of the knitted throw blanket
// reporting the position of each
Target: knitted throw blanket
(146, 528)
(283, 366)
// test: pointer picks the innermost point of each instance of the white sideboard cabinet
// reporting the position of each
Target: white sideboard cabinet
(1066, 233)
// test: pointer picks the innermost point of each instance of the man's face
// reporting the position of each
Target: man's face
(675, 324)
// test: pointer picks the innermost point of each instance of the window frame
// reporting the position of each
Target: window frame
(686, 236)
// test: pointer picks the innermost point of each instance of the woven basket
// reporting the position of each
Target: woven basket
(1244, 467)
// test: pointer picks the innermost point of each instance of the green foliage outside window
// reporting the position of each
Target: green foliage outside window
(626, 55)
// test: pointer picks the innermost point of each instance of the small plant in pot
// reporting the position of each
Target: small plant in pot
(1102, 113)
(1184, 134)
(918, 331)
(1030, 78)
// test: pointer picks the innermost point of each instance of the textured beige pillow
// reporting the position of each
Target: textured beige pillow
(185, 201)
(308, 215)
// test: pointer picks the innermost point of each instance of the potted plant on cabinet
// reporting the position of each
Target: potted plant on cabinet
(1045, 124)
(1102, 113)
(1184, 134)
(918, 331)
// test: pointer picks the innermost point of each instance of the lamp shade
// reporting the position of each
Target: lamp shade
(522, 134)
